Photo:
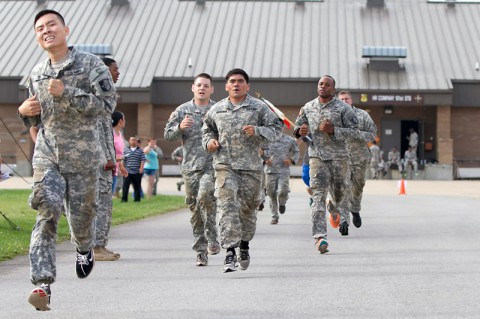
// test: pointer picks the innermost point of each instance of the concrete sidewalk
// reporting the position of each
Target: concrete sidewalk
(416, 256)
(468, 188)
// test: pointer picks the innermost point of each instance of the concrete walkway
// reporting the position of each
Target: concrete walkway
(416, 256)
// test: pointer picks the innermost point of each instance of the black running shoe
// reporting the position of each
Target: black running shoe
(230, 261)
(244, 259)
(40, 297)
(357, 220)
(84, 264)
(343, 229)
(282, 209)
(261, 206)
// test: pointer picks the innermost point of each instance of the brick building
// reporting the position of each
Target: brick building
(409, 63)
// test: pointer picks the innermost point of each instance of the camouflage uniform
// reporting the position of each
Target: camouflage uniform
(265, 154)
(359, 161)
(238, 165)
(197, 172)
(375, 160)
(328, 155)
(178, 152)
(104, 205)
(278, 174)
(67, 154)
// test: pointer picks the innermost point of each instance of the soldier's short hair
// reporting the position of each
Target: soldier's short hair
(235, 72)
(345, 93)
(48, 11)
(203, 75)
(108, 61)
(328, 76)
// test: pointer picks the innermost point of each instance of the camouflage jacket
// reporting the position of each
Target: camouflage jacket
(69, 137)
(325, 146)
(284, 148)
(105, 136)
(195, 157)
(224, 123)
(358, 144)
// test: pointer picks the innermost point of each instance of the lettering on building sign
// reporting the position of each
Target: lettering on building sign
(391, 98)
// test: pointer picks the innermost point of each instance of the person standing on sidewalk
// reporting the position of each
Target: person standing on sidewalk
(413, 140)
(358, 163)
(282, 153)
(376, 158)
(134, 161)
(331, 122)
(67, 93)
(103, 219)
(186, 123)
(118, 123)
(159, 152)
(233, 131)
(151, 165)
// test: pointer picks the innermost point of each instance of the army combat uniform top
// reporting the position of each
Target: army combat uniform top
(224, 123)
(67, 154)
(69, 137)
(328, 156)
(197, 173)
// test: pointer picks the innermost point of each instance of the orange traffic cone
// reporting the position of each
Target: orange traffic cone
(402, 188)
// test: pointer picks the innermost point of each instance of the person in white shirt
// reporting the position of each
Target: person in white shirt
(413, 140)
(410, 158)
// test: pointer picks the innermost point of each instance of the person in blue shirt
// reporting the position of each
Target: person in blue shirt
(151, 165)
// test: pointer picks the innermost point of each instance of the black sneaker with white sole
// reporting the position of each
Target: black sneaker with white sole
(84, 263)
(230, 261)
(40, 297)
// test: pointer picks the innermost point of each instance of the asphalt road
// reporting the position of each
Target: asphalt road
(416, 256)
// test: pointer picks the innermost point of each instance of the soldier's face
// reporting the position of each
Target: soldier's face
(346, 98)
(50, 32)
(325, 88)
(114, 72)
(202, 89)
(237, 87)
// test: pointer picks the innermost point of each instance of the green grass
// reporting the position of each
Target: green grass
(13, 203)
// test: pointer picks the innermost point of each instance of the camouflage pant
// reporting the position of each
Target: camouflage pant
(103, 220)
(356, 183)
(262, 192)
(238, 195)
(357, 173)
(51, 191)
(325, 175)
(199, 188)
(277, 189)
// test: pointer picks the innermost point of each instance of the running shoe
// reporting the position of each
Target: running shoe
(213, 249)
(40, 297)
(230, 261)
(84, 263)
(357, 220)
(322, 245)
(343, 229)
(244, 259)
(202, 259)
